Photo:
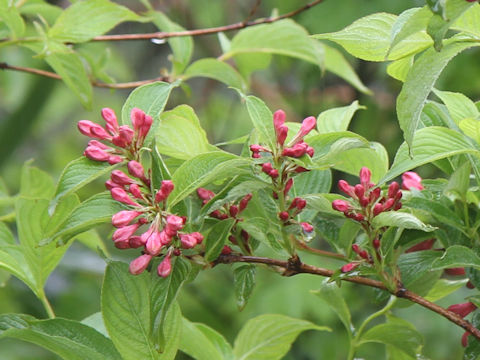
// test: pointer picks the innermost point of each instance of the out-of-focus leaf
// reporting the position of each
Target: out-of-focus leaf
(337, 119)
(400, 68)
(459, 106)
(10, 15)
(469, 21)
(215, 69)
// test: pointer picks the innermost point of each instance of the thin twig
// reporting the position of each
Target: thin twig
(294, 267)
(199, 32)
(253, 10)
(49, 74)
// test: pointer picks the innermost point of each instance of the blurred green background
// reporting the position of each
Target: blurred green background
(38, 121)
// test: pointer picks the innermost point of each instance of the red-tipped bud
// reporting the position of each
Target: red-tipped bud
(164, 238)
(123, 233)
(227, 250)
(397, 206)
(393, 189)
(356, 248)
(364, 201)
(99, 145)
(359, 217)
(205, 194)
(300, 169)
(283, 215)
(273, 174)
(301, 203)
(411, 180)
(296, 151)
(341, 205)
(110, 120)
(124, 217)
(245, 236)
(95, 153)
(165, 189)
(125, 136)
(359, 190)
(109, 184)
(174, 223)
(165, 267)
(376, 243)
(308, 228)
(462, 309)
(139, 265)
(233, 210)
(244, 202)
(154, 243)
(365, 176)
(217, 214)
(123, 244)
(288, 186)
(377, 209)
(274, 195)
(363, 254)
(99, 132)
(460, 271)
(137, 117)
(346, 188)
(424, 245)
(470, 285)
(233, 239)
(120, 178)
(310, 151)
(121, 195)
(188, 241)
(348, 267)
(198, 237)
(136, 169)
(388, 204)
(135, 191)
(466, 333)
(282, 133)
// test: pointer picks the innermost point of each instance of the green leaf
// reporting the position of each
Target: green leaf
(96, 321)
(400, 219)
(217, 70)
(244, 282)
(336, 63)
(35, 183)
(283, 37)
(443, 288)
(430, 144)
(67, 338)
(312, 182)
(47, 11)
(151, 98)
(216, 239)
(459, 106)
(419, 82)
(262, 119)
(126, 311)
(180, 134)
(437, 210)
(469, 21)
(402, 337)
(459, 182)
(400, 68)
(471, 128)
(201, 170)
(182, 47)
(173, 329)
(457, 256)
(369, 38)
(270, 336)
(203, 343)
(84, 20)
(337, 119)
(70, 67)
(330, 293)
(10, 15)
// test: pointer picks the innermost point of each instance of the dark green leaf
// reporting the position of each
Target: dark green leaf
(216, 239)
(457, 256)
(244, 280)
(400, 219)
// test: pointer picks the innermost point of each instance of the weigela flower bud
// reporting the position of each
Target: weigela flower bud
(205, 194)
(123, 233)
(346, 188)
(376, 243)
(233, 210)
(397, 206)
(424, 245)
(188, 241)
(99, 132)
(341, 205)
(308, 125)
(364, 201)
(164, 238)
(273, 174)
(245, 236)
(138, 265)
(120, 178)
(109, 184)
(165, 267)
(310, 151)
(365, 176)
(296, 151)
(359, 217)
(308, 228)
(165, 189)
(462, 309)
(123, 244)
(136, 169)
(411, 180)
(136, 241)
(124, 217)
(154, 243)
(283, 215)
(95, 153)
(114, 159)
(455, 271)
(99, 145)
(266, 168)
(393, 189)
(227, 250)
(359, 190)
(278, 118)
(174, 223)
(85, 126)
(282, 133)
(348, 267)
(126, 134)
(217, 214)
(300, 169)
(288, 186)
(135, 191)
(110, 120)
(120, 195)
(147, 123)
(466, 333)
(244, 202)
(388, 204)
(377, 209)
(374, 195)
(198, 237)
(137, 117)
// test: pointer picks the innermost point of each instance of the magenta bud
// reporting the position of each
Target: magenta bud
(124, 217)
(227, 250)
(278, 118)
(154, 244)
(198, 237)
(119, 141)
(300, 169)
(296, 151)
(188, 241)
(359, 217)
(217, 214)
(455, 271)
(388, 204)
(147, 123)
(377, 209)
(165, 189)
(135, 191)
(121, 195)
(164, 238)
(126, 134)
(294, 202)
(135, 241)
(99, 145)
(165, 267)
(245, 236)
(308, 125)
(341, 205)
(136, 169)
(375, 194)
(462, 309)
(365, 175)
(244, 202)
(282, 133)
(267, 168)
(364, 201)
(359, 190)
(288, 186)
(310, 151)
(137, 117)
(85, 127)
(411, 180)
(174, 223)
(138, 265)
(123, 233)
(346, 188)
(424, 245)
(99, 132)
(283, 215)
(308, 228)
(114, 159)
(123, 244)
(397, 206)
(95, 153)
(110, 120)
(466, 334)
(120, 178)
(393, 189)
(273, 174)
(376, 243)
(348, 267)
(356, 248)
(233, 210)
(109, 184)
(205, 194)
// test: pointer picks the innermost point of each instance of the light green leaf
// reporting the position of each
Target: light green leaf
(203, 343)
(312, 182)
(70, 67)
(283, 37)
(47, 11)
(457, 256)
(400, 219)
(216, 239)
(443, 288)
(430, 144)
(262, 119)
(244, 282)
(67, 338)
(269, 337)
(200, 170)
(471, 128)
(84, 20)
(336, 63)
(10, 15)
(180, 134)
(369, 38)
(400, 68)
(337, 119)
(459, 106)
(96, 322)
(217, 70)
(173, 329)
(459, 182)
(182, 46)
(330, 293)
(437, 210)
(35, 183)
(419, 82)
(469, 21)
(126, 311)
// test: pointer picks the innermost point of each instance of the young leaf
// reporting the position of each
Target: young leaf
(84, 20)
(180, 134)
(244, 280)
(457, 256)
(337, 119)
(400, 68)
(216, 239)
(400, 219)
(419, 82)
(270, 336)
(468, 21)
(10, 15)
(35, 183)
(459, 106)
(203, 343)
(369, 39)
(96, 321)
(443, 288)
(217, 70)
(330, 293)
(67, 338)
(262, 119)
(471, 128)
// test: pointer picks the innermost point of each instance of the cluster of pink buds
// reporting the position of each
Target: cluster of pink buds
(463, 310)
(367, 200)
(124, 142)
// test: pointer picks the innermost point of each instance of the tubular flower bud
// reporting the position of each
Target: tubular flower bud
(136, 169)
(341, 205)
(462, 309)
(296, 151)
(124, 217)
(377, 209)
(165, 267)
(346, 188)
(109, 184)
(256, 149)
(349, 267)
(188, 241)
(165, 189)
(455, 271)
(154, 243)
(301, 169)
(164, 238)
(123, 233)
(99, 132)
(147, 123)
(135, 191)
(365, 176)
(288, 186)
(110, 120)
(99, 145)
(233, 210)
(95, 153)
(174, 223)
(121, 195)
(120, 178)
(424, 245)
(273, 174)
(283, 215)
(393, 189)
(126, 134)
(308, 228)
(245, 236)
(138, 265)
(217, 214)
(85, 127)
(114, 159)
(308, 124)
(244, 202)
(411, 180)
(267, 168)
(137, 117)
(198, 237)
(282, 133)
(278, 118)
(359, 217)
(227, 250)
(376, 243)
(359, 190)
(374, 195)
(205, 194)
(123, 244)
(135, 241)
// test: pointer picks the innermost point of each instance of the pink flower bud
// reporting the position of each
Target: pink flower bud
(123, 244)
(114, 159)
(301, 203)
(188, 241)
(296, 151)
(359, 217)
(137, 117)
(174, 223)
(346, 188)
(99, 145)
(244, 202)
(136, 241)
(119, 141)
(85, 126)
(227, 250)
(466, 333)
(120, 178)
(245, 236)
(110, 120)
(294, 202)
(145, 128)
(95, 153)
(364, 201)
(123, 233)
(124, 217)
(136, 169)
(109, 184)
(341, 205)
(365, 175)
(278, 118)
(198, 237)
(135, 191)
(99, 132)
(377, 209)
(154, 244)
(121, 195)
(283, 215)
(397, 206)
(310, 151)
(288, 186)
(455, 271)
(308, 125)
(138, 265)
(348, 267)
(359, 190)
(267, 168)
(300, 169)
(411, 180)
(126, 134)
(165, 267)
(356, 248)
(205, 194)
(463, 309)
(308, 228)
(393, 189)
(424, 245)
(388, 204)
(376, 243)
(217, 214)
(374, 195)
(164, 238)
(282, 133)
(273, 174)
(165, 189)
(233, 210)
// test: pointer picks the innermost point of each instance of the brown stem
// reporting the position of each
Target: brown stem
(199, 32)
(125, 85)
(301, 245)
(295, 266)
